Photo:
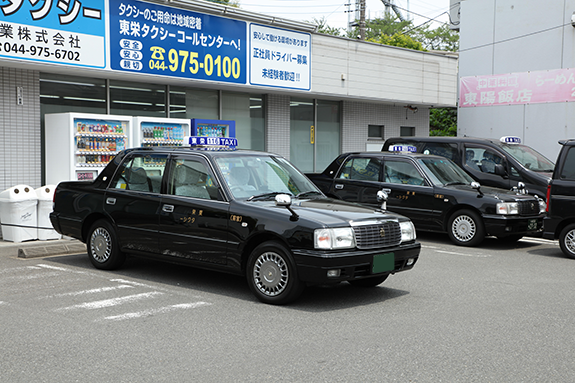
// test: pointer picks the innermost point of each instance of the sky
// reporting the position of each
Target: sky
(335, 13)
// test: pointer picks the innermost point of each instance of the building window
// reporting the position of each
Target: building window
(63, 93)
(137, 99)
(194, 103)
(375, 132)
(247, 110)
(407, 131)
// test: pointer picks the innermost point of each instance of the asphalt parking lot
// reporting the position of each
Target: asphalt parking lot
(498, 313)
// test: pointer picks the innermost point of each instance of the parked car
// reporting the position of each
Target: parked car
(242, 212)
(502, 163)
(435, 193)
(560, 220)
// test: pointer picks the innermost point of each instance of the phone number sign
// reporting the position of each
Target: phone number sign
(63, 32)
(155, 39)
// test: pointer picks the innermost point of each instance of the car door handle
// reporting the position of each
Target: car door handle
(168, 208)
(110, 201)
(339, 186)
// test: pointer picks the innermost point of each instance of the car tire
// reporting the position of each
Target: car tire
(102, 245)
(510, 238)
(369, 282)
(567, 241)
(465, 228)
(272, 275)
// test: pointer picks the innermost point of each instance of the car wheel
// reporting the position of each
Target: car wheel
(369, 282)
(272, 275)
(103, 247)
(567, 241)
(510, 238)
(465, 228)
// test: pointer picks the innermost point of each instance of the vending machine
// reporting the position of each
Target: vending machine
(79, 145)
(150, 131)
(213, 133)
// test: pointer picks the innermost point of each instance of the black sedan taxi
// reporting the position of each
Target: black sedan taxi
(243, 212)
(435, 193)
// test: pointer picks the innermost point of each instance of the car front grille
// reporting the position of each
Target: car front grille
(528, 207)
(381, 234)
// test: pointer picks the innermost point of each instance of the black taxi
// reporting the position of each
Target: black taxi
(502, 163)
(435, 193)
(243, 212)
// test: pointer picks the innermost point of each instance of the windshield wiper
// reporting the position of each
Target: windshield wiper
(265, 195)
(307, 194)
(455, 183)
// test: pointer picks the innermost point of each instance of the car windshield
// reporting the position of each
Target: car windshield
(442, 171)
(529, 158)
(254, 176)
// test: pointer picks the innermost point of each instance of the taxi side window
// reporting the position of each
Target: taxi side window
(442, 149)
(568, 171)
(141, 173)
(402, 172)
(191, 178)
(482, 159)
(362, 169)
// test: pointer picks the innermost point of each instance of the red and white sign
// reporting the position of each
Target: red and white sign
(518, 88)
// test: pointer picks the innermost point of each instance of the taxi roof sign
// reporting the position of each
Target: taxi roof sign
(403, 148)
(510, 140)
(214, 142)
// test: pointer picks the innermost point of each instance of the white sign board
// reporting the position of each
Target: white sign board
(279, 58)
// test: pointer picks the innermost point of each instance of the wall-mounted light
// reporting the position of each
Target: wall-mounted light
(573, 19)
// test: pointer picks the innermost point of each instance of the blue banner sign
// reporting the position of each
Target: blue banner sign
(155, 39)
(67, 32)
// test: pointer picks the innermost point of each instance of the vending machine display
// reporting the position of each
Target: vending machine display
(208, 132)
(159, 131)
(78, 145)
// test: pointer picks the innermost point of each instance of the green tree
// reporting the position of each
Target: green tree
(443, 122)
(398, 40)
(322, 27)
(442, 38)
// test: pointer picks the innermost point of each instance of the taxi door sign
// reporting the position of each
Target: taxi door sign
(312, 135)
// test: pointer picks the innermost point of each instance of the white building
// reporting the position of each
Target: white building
(289, 90)
(516, 71)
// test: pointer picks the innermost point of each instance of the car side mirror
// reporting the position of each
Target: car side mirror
(382, 196)
(285, 200)
(500, 170)
(477, 186)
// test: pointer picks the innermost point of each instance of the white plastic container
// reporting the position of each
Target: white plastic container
(45, 196)
(18, 214)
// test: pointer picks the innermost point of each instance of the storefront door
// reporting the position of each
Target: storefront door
(315, 133)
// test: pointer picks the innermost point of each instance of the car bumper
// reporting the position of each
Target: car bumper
(500, 225)
(313, 266)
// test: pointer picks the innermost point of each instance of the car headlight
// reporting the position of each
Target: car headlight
(507, 208)
(407, 231)
(331, 239)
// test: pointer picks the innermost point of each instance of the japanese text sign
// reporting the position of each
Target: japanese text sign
(518, 88)
(280, 58)
(64, 31)
(155, 39)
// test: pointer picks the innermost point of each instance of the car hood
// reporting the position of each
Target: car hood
(332, 212)
(502, 194)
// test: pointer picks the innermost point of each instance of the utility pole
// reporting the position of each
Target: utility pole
(362, 19)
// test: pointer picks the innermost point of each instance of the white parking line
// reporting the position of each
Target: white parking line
(464, 254)
(91, 291)
(162, 310)
(112, 302)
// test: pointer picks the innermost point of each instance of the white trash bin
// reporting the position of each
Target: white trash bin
(45, 196)
(18, 215)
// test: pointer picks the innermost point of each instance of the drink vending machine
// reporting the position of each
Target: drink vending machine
(149, 131)
(79, 145)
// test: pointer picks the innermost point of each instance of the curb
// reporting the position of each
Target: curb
(36, 249)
